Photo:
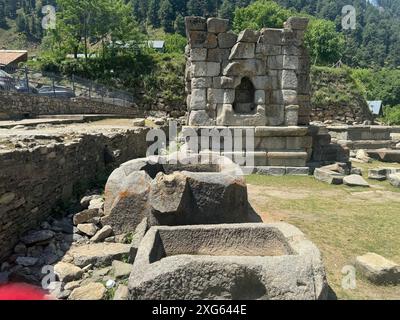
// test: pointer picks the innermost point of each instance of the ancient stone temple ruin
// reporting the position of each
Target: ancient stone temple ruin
(257, 79)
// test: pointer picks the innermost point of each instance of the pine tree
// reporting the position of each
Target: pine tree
(226, 10)
(152, 13)
(179, 25)
(166, 15)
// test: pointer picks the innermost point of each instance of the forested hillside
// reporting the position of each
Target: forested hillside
(375, 42)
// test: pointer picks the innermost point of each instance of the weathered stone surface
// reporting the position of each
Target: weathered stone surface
(297, 23)
(272, 36)
(227, 40)
(139, 122)
(355, 181)
(86, 216)
(251, 67)
(85, 201)
(67, 272)
(206, 69)
(243, 50)
(199, 118)
(394, 180)
(289, 79)
(98, 254)
(248, 36)
(130, 205)
(218, 55)
(88, 229)
(217, 25)
(221, 96)
(197, 39)
(41, 236)
(121, 270)
(377, 174)
(27, 261)
(91, 291)
(122, 292)
(385, 155)
(201, 83)
(97, 203)
(292, 115)
(102, 234)
(198, 99)
(198, 54)
(170, 197)
(327, 176)
(235, 260)
(378, 270)
(195, 23)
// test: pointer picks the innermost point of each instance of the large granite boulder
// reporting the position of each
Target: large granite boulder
(188, 191)
(130, 205)
(378, 269)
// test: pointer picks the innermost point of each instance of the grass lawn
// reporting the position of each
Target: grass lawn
(343, 222)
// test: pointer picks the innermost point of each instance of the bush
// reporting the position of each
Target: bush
(392, 115)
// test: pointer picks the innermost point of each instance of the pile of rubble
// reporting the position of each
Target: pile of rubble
(87, 261)
(341, 173)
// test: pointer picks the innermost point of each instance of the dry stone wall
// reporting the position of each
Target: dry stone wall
(33, 181)
(15, 105)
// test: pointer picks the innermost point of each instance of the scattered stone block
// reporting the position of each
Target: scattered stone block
(139, 122)
(67, 272)
(355, 181)
(102, 234)
(86, 216)
(378, 269)
(99, 254)
(394, 180)
(122, 293)
(121, 270)
(328, 176)
(26, 261)
(85, 201)
(91, 291)
(88, 229)
(34, 237)
(377, 174)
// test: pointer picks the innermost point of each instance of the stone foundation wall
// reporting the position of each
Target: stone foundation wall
(34, 181)
(363, 137)
(15, 105)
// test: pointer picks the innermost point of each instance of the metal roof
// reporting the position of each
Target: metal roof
(156, 44)
(9, 56)
(375, 107)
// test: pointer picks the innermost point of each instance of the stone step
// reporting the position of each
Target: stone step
(366, 144)
(275, 159)
(385, 155)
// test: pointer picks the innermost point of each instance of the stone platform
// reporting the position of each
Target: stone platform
(363, 137)
(290, 150)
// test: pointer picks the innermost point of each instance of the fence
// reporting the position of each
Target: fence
(53, 85)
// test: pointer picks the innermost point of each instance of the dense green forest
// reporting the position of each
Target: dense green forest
(374, 43)
(110, 34)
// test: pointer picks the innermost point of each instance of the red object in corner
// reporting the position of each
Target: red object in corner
(21, 292)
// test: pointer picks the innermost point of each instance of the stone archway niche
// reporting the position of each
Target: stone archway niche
(244, 97)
